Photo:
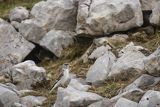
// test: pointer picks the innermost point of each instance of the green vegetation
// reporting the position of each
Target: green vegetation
(6, 6)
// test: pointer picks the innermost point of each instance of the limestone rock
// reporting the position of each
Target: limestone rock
(57, 40)
(71, 97)
(155, 16)
(55, 14)
(104, 17)
(150, 99)
(13, 47)
(122, 102)
(18, 14)
(26, 74)
(100, 69)
(7, 97)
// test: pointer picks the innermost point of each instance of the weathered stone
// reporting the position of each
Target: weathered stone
(148, 4)
(152, 63)
(104, 17)
(71, 97)
(150, 99)
(57, 40)
(100, 69)
(13, 47)
(31, 32)
(122, 102)
(79, 84)
(18, 14)
(26, 74)
(55, 14)
(32, 101)
(7, 97)
(98, 52)
(131, 58)
(143, 82)
(155, 16)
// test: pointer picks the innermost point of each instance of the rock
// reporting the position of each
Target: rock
(57, 40)
(152, 63)
(32, 101)
(103, 103)
(7, 97)
(79, 84)
(134, 94)
(131, 58)
(31, 32)
(155, 16)
(105, 17)
(143, 82)
(130, 48)
(26, 74)
(148, 4)
(71, 97)
(98, 52)
(100, 69)
(18, 105)
(13, 47)
(55, 14)
(150, 99)
(18, 14)
(122, 102)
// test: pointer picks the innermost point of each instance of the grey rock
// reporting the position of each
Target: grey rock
(32, 101)
(103, 103)
(27, 74)
(130, 58)
(18, 14)
(71, 97)
(55, 14)
(152, 63)
(31, 32)
(98, 52)
(79, 84)
(122, 102)
(57, 40)
(13, 47)
(104, 17)
(148, 4)
(150, 99)
(7, 97)
(155, 16)
(100, 69)
(142, 82)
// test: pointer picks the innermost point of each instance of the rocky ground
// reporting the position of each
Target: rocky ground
(81, 53)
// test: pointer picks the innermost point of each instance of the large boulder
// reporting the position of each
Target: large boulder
(152, 63)
(32, 101)
(13, 47)
(18, 14)
(100, 69)
(7, 97)
(130, 58)
(55, 14)
(150, 99)
(122, 102)
(71, 97)
(148, 4)
(143, 82)
(57, 40)
(155, 16)
(26, 74)
(31, 31)
(107, 16)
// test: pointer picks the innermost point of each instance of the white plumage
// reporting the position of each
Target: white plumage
(65, 77)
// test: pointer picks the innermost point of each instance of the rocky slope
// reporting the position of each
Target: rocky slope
(81, 53)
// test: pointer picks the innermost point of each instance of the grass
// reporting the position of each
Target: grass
(6, 7)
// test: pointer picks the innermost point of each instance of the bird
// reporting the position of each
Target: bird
(65, 78)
